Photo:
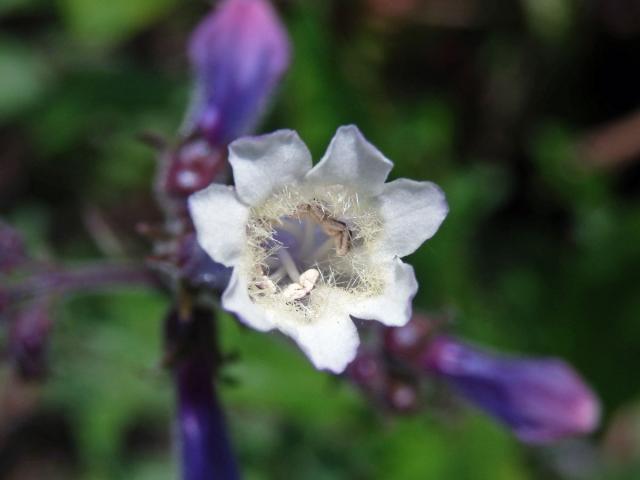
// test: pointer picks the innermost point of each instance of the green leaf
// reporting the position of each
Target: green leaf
(23, 77)
(101, 24)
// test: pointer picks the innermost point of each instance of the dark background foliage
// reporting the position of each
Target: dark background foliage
(523, 111)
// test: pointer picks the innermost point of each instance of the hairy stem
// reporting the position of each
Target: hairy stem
(87, 277)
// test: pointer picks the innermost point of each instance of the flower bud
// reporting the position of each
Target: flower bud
(191, 167)
(5, 301)
(198, 268)
(367, 371)
(407, 341)
(12, 250)
(204, 443)
(402, 396)
(29, 338)
(539, 399)
(238, 53)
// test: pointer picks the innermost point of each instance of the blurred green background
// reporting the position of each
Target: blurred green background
(503, 103)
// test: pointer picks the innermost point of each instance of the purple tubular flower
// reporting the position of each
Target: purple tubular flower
(12, 250)
(238, 53)
(198, 268)
(204, 443)
(29, 338)
(190, 167)
(540, 400)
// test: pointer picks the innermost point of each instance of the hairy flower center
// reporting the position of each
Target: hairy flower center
(306, 243)
(306, 249)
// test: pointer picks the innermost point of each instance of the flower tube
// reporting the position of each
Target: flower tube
(539, 399)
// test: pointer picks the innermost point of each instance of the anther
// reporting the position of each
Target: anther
(332, 227)
(289, 264)
(266, 284)
(303, 287)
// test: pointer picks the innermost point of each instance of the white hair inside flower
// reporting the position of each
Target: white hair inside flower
(313, 246)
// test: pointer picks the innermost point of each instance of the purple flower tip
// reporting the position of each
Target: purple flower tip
(198, 268)
(367, 370)
(204, 442)
(191, 167)
(12, 250)
(408, 341)
(29, 338)
(540, 400)
(238, 52)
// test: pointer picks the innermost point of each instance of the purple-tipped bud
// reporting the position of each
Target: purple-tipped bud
(407, 341)
(238, 52)
(367, 371)
(198, 268)
(204, 443)
(29, 339)
(5, 301)
(402, 396)
(192, 166)
(540, 400)
(12, 250)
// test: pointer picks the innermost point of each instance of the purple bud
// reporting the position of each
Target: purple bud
(238, 52)
(402, 396)
(540, 400)
(191, 167)
(367, 370)
(29, 338)
(12, 251)
(198, 268)
(204, 443)
(407, 341)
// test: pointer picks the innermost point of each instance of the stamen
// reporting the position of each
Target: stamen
(296, 291)
(292, 228)
(266, 284)
(278, 275)
(308, 239)
(323, 250)
(309, 278)
(343, 242)
(289, 264)
(318, 231)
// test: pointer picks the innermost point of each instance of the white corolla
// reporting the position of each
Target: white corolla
(313, 246)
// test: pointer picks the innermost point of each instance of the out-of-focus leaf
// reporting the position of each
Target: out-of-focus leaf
(553, 149)
(23, 77)
(551, 20)
(96, 23)
(10, 6)
(106, 353)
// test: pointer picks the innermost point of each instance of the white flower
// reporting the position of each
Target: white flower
(312, 247)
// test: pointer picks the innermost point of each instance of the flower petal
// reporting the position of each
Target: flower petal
(235, 299)
(220, 219)
(393, 306)
(352, 160)
(330, 341)
(412, 212)
(265, 163)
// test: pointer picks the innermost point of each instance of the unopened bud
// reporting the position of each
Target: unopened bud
(197, 268)
(191, 167)
(367, 371)
(29, 338)
(539, 399)
(402, 397)
(238, 53)
(12, 249)
(407, 341)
